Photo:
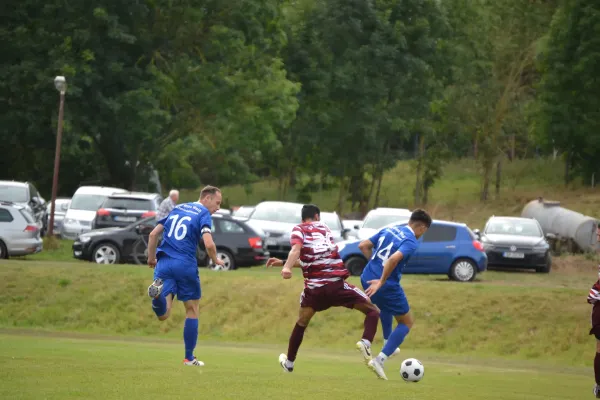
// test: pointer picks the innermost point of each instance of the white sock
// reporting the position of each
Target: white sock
(365, 341)
(382, 357)
(289, 364)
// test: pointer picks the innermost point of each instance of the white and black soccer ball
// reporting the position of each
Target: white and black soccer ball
(412, 370)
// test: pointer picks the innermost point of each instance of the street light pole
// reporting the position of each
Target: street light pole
(61, 85)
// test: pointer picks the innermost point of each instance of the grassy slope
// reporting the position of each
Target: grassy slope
(64, 369)
(455, 196)
(515, 315)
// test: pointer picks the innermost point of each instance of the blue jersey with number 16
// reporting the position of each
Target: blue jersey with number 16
(183, 230)
(385, 243)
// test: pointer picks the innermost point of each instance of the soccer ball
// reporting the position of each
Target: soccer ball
(412, 370)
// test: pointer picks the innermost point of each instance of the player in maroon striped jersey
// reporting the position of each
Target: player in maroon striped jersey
(594, 298)
(314, 250)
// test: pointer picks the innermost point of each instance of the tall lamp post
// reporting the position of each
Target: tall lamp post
(61, 85)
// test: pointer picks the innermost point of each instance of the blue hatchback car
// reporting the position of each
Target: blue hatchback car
(447, 248)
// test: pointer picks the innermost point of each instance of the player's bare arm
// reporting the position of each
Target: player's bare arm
(152, 243)
(366, 246)
(211, 248)
(276, 262)
(388, 267)
(293, 258)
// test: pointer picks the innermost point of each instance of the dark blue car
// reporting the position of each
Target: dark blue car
(447, 248)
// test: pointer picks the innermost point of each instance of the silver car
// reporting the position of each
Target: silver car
(61, 205)
(277, 219)
(19, 233)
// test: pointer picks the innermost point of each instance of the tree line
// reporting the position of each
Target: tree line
(314, 93)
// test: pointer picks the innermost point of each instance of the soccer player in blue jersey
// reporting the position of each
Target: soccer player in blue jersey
(388, 251)
(176, 271)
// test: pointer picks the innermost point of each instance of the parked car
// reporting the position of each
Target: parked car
(19, 233)
(278, 218)
(353, 225)
(380, 217)
(237, 244)
(243, 212)
(123, 209)
(82, 210)
(447, 248)
(516, 242)
(26, 195)
(61, 205)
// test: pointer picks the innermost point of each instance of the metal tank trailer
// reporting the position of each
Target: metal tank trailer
(570, 230)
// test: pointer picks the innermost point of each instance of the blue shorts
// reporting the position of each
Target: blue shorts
(389, 298)
(179, 278)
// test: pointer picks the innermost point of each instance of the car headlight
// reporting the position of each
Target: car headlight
(488, 246)
(540, 249)
(84, 239)
(71, 221)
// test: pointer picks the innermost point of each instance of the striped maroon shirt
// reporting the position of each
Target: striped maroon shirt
(319, 258)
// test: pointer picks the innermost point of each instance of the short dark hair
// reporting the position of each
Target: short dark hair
(309, 211)
(420, 216)
(209, 190)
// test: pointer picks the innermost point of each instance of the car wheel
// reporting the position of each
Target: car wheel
(3, 251)
(355, 265)
(546, 268)
(140, 252)
(106, 253)
(227, 258)
(463, 270)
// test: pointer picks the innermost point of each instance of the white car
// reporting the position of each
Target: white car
(82, 211)
(380, 217)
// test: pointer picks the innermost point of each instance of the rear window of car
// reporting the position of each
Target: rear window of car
(129, 204)
(5, 215)
(28, 217)
(440, 233)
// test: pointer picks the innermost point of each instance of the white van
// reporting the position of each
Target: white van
(82, 210)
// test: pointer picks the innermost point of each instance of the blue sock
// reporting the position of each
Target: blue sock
(190, 337)
(159, 306)
(386, 323)
(395, 340)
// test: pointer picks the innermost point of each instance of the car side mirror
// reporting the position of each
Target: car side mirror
(345, 232)
(36, 201)
(477, 233)
(64, 207)
(550, 236)
(138, 229)
(357, 227)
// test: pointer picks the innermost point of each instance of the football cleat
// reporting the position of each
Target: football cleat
(377, 366)
(193, 363)
(155, 289)
(365, 350)
(282, 362)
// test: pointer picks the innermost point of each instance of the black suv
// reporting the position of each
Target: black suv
(26, 195)
(123, 209)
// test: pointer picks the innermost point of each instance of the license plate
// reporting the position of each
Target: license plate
(514, 255)
(125, 219)
(271, 242)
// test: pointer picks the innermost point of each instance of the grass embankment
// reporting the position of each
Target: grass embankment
(516, 315)
(455, 196)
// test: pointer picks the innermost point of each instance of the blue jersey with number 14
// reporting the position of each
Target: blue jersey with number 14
(385, 243)
(183, 230)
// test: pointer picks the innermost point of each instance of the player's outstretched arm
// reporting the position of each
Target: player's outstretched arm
(366, 246)
(293, 258)
(211, 248)
(152, 243)
(276, 262)
(388, 267)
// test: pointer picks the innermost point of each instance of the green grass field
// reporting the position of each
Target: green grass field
(455, 196)
(61, 368)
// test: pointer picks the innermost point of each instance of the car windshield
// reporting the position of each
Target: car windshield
(331, 220)
(243, 212)
(87, 202)
(519, 227)
(15, 194)
(288, 213)
(376, 221)
(128, 203)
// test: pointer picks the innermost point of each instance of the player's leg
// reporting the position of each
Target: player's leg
(304, 316)
(597, 367)
(189, 291)
(162, 290)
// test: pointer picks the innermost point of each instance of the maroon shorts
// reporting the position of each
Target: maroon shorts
(335, 294)
(596, 321)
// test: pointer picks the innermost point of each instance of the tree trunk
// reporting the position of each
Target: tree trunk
(293, 178)
(342, 193)
(379, 180)
(372, 185)
(512, 147)
(498, 174)
(487, 172)
(476, 144)
(418, 180)
(567, 168)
